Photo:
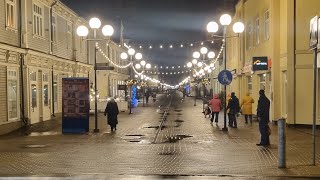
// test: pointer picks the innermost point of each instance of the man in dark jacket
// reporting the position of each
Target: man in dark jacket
(112, 111)
(234, 107)
(263, 116)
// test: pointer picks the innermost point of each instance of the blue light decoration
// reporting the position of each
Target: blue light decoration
(187, 87)
(134, 100)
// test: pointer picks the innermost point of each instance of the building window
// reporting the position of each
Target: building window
(38, 20)
(12, 95)
(266, 25)
(250, 84)
(69, 35)
(45, 77)
(55, 88)
(33, 76)
(249, 36)
(262, 81)
(54, 28)
(257, 38)
(11, 16)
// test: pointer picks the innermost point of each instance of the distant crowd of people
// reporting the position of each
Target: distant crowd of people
(234, 108)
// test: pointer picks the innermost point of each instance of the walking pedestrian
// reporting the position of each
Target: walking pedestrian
(228, 110)
(215, 108)
(263, 117)
(112, 111)
(246, 105)
(234, 107)
(147, 94)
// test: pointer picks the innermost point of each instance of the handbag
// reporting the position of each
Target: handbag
(268, 130)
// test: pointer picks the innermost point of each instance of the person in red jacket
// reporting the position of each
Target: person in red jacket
(215, 107)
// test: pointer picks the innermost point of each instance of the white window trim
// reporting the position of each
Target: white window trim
(15, 16)
(40, 5)
(18, 93)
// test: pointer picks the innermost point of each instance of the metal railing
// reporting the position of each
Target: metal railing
(164, 118)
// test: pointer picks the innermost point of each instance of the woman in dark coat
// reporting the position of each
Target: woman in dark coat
(263, 116)
(234, 107)
(112, 111)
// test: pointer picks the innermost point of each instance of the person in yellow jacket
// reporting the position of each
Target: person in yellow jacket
(246, 105)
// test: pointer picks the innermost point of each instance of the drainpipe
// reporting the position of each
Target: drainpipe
(22, 105)
(22, 102)
(51, 52)
(51, 27)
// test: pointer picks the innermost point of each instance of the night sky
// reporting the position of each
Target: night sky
(158, 22)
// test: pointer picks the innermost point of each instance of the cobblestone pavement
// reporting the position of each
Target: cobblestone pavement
(187, 147)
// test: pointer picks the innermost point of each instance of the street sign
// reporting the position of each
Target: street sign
(225, 77)
(104, 68)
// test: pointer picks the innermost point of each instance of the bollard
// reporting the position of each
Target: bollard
(282, 143)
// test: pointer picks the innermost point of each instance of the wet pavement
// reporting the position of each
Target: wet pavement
(187, 147)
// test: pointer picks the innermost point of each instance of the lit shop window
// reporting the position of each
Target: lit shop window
(250, 84)
(262, 81)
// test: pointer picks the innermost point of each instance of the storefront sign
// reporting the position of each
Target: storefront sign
(122, 87)
(260, 63)
(75, 105)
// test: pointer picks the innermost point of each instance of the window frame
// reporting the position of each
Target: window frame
(249, 79)
(257, 31)
(69, 34)
(266, 17)
(13, 4)
(16, 79)
(38, 32)
(54, 27)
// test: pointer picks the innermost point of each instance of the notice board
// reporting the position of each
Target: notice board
(75, 105)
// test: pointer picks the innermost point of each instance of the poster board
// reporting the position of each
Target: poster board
(75, 105)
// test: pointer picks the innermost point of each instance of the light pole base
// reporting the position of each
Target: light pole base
(224, 129)
(96, 130)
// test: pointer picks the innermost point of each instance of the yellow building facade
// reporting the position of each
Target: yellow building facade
(278, 30)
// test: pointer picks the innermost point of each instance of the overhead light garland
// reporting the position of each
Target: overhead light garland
(168, 45)
(118, 66)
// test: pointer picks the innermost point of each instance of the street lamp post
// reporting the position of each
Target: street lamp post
(138, 56)
(144, 66)
(213, 27)
(107, 31)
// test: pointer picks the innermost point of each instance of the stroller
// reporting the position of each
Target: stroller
(207, 111)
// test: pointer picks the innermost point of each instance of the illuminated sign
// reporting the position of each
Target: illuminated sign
(260, 63)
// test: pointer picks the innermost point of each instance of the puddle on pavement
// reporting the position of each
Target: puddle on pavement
(35, 146)
(176, 138)
(156, 127)
(134, 141)
(134, 135)
(50, 133)
(144, 141)
(166, 153)
(179, 121)
(234, 137)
